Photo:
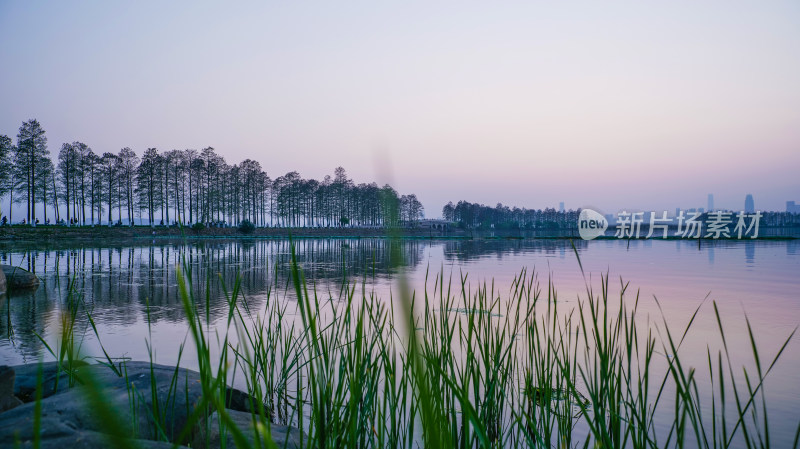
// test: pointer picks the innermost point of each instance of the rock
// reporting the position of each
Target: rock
(67, 415)
(6, 380)
(283, 436)
(55, 379)
(19, 428)
(95, 440)
(7, 398)
(52, 379)
(19, 279)
(3, 284)
(9, 402)
(58, 434)
(71, 409)
(133, 399)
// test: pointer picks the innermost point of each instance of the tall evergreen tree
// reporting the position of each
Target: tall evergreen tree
(148, 179)
(67, 166)
(109, 167)
(6, 170)
(128, 169)
(30, 151)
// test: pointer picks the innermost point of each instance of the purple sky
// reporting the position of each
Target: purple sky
(639, 105)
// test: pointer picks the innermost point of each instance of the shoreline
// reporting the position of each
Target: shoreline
(105, 234)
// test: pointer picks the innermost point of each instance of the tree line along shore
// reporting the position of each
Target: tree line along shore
(78, 186)
(188, 186)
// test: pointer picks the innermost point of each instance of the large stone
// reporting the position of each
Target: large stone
(133, 413)
(53, 379)
(7, 398)
(60, 434)
(95, 440)
(176, 395)
(56, 379)
(19, 279)
(3, 283)
(66, 409)
(6, 380)
(253, 430)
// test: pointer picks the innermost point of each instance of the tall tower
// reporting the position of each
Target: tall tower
(749, 204)
(561, 206)
(710, 202)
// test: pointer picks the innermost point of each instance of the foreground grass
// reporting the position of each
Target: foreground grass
(457, 366)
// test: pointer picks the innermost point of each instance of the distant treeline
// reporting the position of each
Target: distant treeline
(185, 186)
(478, 216)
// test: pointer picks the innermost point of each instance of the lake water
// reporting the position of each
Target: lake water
(119, 283)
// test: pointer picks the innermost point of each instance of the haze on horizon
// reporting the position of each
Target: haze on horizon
(648, 106)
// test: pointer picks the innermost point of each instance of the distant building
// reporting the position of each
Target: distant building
(561, 206)
(710, 202)
(749, 204)
(792, 208)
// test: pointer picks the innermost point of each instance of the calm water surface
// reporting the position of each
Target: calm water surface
(120, 283)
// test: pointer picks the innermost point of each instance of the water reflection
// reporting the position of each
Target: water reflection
(120, 283)
(469, 250)
(750, 252)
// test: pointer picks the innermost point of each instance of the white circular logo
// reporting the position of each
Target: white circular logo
(591, 224)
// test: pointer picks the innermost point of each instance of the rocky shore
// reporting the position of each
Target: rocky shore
(157, 406)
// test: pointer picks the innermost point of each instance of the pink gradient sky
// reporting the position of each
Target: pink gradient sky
(624, 105)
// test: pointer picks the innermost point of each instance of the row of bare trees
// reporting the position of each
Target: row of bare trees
(181, 186)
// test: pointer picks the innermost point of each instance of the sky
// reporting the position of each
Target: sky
(621, 105)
